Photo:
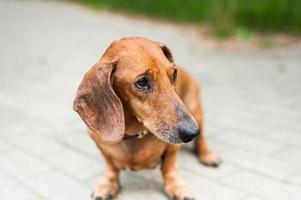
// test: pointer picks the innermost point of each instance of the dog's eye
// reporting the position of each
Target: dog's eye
(143, 84)
(174, 75)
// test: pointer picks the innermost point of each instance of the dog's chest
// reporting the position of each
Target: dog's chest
(136, 154)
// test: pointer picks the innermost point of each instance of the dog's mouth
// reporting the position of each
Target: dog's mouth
(170, 138)
(167, 134)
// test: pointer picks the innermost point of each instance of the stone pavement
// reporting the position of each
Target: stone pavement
(252, 102)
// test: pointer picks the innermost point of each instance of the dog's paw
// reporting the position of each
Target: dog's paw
(210, 158)
(105, 192)
(179, 192)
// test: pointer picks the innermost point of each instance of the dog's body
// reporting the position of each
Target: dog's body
(139, 118)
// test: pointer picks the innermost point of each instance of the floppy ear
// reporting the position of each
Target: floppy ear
(98, 105)
(167, 52)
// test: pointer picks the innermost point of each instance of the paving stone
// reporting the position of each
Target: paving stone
(205, 189)
(76, 164)
(53, 184)
(263, 186)
(37, 144)
(148, 181)
(22, 165)
(83, 142)
(294, 178)
(10, 189)
(79, 194)
(248, 142)
(288, 154)
(4, 146)
(252, 198)
(287, 136)
(196, 167)
(261, 164)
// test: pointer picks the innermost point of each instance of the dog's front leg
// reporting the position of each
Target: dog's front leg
(108, 186)
(175, 187)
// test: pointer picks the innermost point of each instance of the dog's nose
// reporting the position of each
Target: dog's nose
(188, 133)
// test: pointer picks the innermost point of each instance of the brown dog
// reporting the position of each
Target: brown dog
(138, 106)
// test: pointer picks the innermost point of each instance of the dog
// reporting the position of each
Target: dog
(138, 106)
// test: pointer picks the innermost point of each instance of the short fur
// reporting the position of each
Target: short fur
(115, 112)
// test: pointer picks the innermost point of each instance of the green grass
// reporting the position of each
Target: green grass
(227, 17)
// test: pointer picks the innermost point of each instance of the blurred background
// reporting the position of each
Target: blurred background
(246, 55)
(225, 17)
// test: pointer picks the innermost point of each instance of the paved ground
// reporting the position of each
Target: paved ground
(252, 101)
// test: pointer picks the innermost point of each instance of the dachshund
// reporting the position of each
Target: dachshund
(139, 106)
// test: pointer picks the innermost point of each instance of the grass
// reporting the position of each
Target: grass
(226, 17)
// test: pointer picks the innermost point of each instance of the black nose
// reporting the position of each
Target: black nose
(188, 133)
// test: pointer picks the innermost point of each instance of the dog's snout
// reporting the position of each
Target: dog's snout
(188, 133)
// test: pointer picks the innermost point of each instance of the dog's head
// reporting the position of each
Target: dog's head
(139, 75)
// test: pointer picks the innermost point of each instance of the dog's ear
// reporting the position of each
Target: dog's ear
(166, 52)
(98, 105)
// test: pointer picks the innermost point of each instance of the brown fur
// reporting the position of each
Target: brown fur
(115, 111)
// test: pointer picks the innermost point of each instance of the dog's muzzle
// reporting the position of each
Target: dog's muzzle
(187, 127)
